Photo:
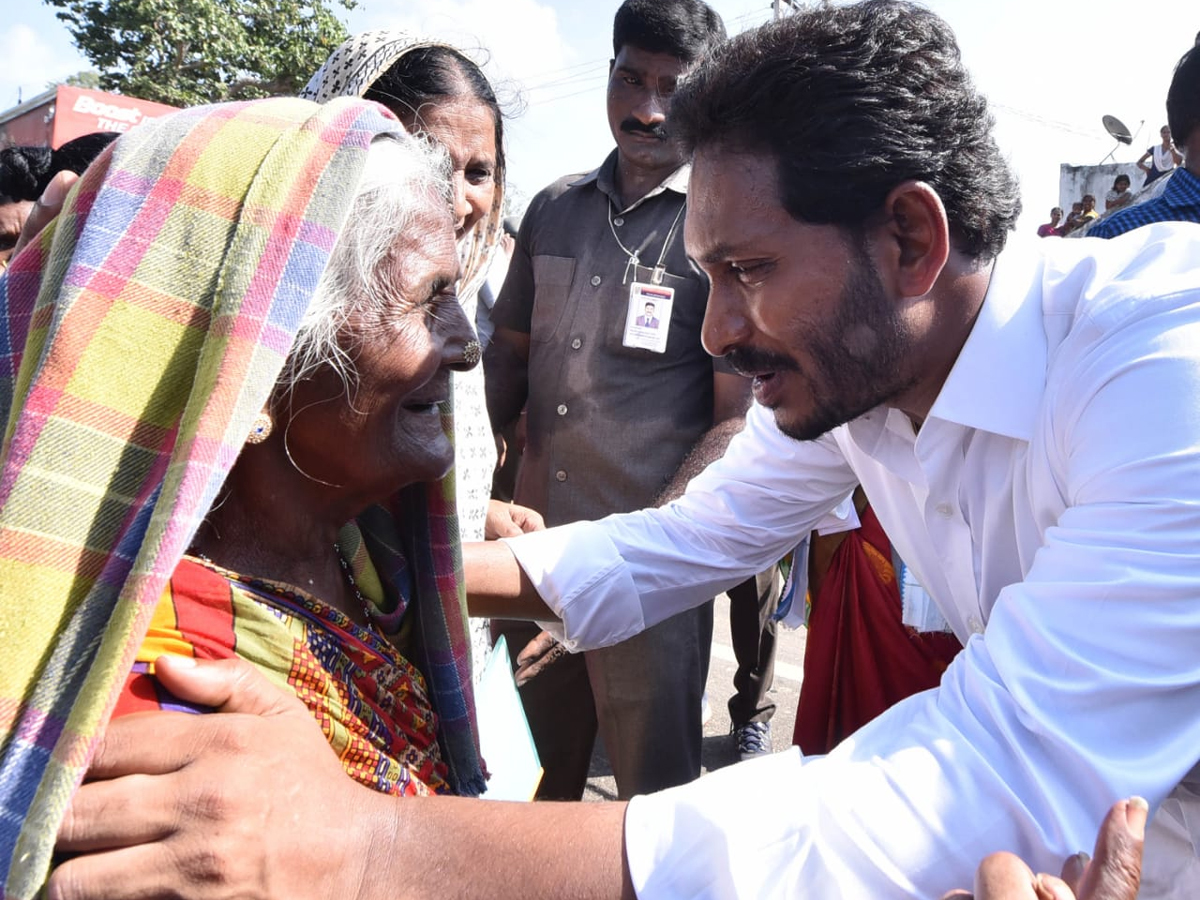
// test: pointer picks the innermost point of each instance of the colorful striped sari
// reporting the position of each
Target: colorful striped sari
(370, 701)
(139, 337)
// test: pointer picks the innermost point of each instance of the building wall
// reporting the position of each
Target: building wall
(1075, 181)
(32, 126)
(64, 113)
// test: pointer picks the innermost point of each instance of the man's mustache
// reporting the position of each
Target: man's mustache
(633, 126)
(749, 361)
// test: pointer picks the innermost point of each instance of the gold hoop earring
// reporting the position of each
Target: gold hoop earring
(260, 429)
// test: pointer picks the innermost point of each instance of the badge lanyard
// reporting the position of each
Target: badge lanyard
(656, 275)
(648, 313)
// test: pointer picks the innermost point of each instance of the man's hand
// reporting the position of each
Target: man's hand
(1113, 874)
(510, 520)
(249, 803)
(538, 655)
(48, 206)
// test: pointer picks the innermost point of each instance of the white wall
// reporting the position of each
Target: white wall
(1075, 181)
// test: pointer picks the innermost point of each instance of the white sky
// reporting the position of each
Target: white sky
(1051, 69)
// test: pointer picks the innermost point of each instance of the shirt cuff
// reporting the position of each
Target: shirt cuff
(578, 572)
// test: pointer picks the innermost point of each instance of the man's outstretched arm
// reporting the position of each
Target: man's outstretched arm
(253, 803)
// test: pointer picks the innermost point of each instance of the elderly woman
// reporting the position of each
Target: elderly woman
(224, 386)
(434, 89)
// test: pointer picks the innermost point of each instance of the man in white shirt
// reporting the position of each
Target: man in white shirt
(1025, 425)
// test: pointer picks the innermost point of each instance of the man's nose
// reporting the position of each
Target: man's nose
(652, 110)
(725, 323)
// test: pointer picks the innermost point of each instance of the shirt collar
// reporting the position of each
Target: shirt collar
(604, 177)
(997, 382)
(1182, 190)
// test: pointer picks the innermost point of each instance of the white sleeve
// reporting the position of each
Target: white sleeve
(609, 579)
(1085, 687)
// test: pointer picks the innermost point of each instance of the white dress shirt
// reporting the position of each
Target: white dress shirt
(1050, 505)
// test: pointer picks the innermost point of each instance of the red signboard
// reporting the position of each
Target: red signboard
(80, 111)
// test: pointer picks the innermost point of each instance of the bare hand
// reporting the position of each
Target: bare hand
(510, 520)
(251, 802)
(1113, 874)
(48, 206)
(538, 655)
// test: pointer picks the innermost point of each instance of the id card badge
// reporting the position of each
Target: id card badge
(648, 316)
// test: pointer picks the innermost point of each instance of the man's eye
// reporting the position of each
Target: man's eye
(746, 272)
(479, 176)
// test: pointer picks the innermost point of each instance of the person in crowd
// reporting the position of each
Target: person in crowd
(434, 89)
(1051, 229)
(868, 645)
(170, 489)
(1179, 200)
(1089, 212)
(26, 171)
(1160, 159)
(1120, 195)
(611, 413)
(1074, 218)
(893, 342)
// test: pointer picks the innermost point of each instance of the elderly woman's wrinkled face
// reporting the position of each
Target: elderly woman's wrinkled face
(467, 129)
(386, 431)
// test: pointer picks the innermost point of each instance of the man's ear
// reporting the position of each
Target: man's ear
(918, 235)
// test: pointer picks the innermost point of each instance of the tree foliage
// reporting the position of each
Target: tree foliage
(185, 52)
(85, 79)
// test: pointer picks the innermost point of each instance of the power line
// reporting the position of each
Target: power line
(1054, 124)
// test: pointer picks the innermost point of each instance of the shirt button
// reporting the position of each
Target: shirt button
(561, 475)
(562, 409)
(945, 510)
(595, 281)
(576, 344)
(975, 625)
(618, 221)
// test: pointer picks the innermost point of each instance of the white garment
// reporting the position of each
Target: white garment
(474, 465)
(1164, 160)
(1053, 493)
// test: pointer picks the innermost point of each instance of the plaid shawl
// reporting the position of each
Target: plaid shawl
(139, 336)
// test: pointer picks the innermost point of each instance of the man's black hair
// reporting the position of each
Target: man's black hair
(851, 101)
(685, 29)
(1183, 97)
(25, 171)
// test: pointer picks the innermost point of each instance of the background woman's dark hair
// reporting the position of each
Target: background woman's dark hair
(430, 75)
(25, 171)
(851, 101)
(685, 29)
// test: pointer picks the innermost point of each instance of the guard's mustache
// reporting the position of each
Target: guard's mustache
(633, 126)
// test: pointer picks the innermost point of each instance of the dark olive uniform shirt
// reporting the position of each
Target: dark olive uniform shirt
(608, 425)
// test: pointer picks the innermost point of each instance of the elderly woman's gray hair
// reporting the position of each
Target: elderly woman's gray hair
(399, 177)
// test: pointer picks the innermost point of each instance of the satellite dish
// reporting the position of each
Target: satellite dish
(1117, 129)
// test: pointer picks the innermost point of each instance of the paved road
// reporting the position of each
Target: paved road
(718, 749)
